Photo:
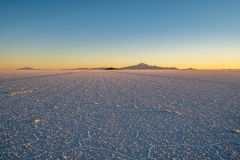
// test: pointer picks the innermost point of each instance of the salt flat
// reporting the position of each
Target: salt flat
(120, 114)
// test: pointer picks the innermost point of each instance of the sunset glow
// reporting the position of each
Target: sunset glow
(79, 34)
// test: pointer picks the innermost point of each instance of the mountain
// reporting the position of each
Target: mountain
(26, 68)
(111, 68)
(190, 69)
(145, 66)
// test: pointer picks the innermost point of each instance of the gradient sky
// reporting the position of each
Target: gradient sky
(202, 34)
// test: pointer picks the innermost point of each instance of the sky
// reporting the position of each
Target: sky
(57, 34)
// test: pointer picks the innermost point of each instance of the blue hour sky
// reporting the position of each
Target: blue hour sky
(203, 34)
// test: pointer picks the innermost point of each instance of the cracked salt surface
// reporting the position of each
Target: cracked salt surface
(120, 115)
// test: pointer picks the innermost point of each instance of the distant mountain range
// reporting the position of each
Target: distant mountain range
(145, 66)
(26, 68)
(29, 68)
(138, 66)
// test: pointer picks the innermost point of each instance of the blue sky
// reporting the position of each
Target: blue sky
(70, 34)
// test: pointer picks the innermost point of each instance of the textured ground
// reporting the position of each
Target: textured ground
(120, 115)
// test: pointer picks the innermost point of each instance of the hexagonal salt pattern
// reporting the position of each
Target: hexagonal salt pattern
(120, 115)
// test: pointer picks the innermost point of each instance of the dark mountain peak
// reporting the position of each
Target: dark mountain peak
(26, 68)
(146, 66)
(111, 68)
(142, 64)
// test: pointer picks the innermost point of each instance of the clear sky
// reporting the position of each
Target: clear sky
(202, 34)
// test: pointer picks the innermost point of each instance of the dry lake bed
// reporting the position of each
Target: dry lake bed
(90, 114)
